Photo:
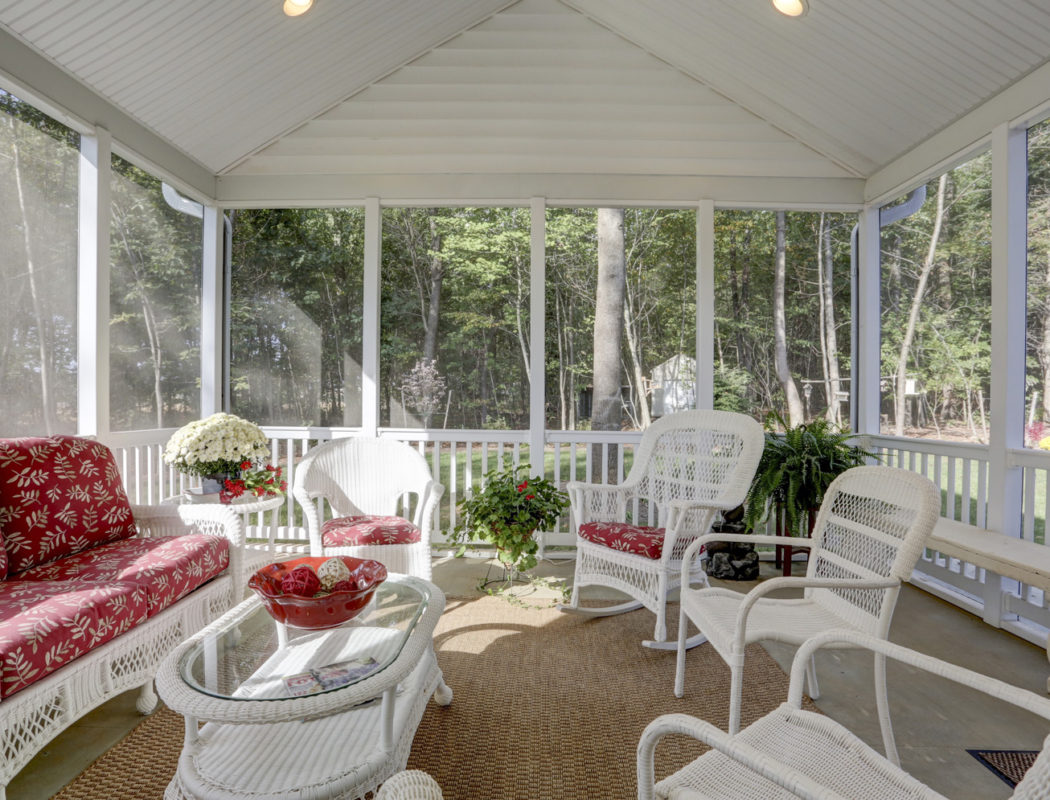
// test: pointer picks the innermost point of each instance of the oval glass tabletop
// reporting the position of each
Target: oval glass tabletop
(246, 662)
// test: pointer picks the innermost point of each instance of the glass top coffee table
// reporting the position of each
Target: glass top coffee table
(335, 710)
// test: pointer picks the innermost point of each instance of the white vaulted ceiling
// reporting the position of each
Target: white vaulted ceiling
(469, 88)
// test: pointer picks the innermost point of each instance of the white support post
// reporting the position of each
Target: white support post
(1009, 257)
(93, 285)
(212, 304)
(538, 341)
(705, 304)
(537, 333)
(370, 321)
(866, 372)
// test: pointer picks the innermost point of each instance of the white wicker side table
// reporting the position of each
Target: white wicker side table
(259, 741)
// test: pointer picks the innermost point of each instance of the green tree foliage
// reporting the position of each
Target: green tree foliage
(949, 357)
(155, 305)
(38, 262)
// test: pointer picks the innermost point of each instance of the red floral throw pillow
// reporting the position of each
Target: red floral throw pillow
(59, 495)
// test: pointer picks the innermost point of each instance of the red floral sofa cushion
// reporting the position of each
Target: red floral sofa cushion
(166, 568)
(58, 495)
(346, 531)
(46, 625)
(638, 539)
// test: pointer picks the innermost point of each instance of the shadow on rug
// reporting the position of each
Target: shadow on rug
(546, 705)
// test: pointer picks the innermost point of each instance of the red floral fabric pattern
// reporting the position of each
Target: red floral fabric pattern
(638, 539)
(47, 625)
(3, 557)
(346, 531)
(59, 495)
(165, 568)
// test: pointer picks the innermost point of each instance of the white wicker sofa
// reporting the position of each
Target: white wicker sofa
(94, 592)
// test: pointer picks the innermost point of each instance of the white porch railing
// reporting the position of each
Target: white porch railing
(460, 458)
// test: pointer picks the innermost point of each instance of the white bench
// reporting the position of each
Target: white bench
(996, 552)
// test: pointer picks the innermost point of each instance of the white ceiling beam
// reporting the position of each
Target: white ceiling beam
(30, 76)
(269, 191)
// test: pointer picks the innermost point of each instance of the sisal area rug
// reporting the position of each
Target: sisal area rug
(1009, 766)
(546, 705)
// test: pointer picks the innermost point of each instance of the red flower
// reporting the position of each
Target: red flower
(246, 465)
(522, 486)
(529, 496)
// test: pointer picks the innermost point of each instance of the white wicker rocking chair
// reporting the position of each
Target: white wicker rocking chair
(791, 753)
(869, 532)
(369, 477)
(689, 466)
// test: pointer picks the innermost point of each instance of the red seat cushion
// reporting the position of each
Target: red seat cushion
(166, 567)
(638, 539)
(346, 531)
(59, 495)
(44, 626)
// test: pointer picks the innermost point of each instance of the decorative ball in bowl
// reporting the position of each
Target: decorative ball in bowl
(316, 592)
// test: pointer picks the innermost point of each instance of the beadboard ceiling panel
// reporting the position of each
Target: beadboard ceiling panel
(547, 87)
(861, 82)
(540, 88)
(220, 79)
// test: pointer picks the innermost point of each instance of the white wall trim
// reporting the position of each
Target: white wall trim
(867, 371)
(282, 191)
(93, 280)
(370, 318)
(212, 306)
(537, 332)
(705, 304)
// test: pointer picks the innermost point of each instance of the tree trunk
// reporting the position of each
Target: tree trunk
(916, 306)
(47, 400)
(636, 365)
(608, 330)
(1044, 345)
(787, 383)
(831, 343)
(436, 276)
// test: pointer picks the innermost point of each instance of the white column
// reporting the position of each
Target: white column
(865, 375)
(705, 304)
(370, 322)
(212, 305)
(93, 286)
(537, 333)
(1009, 266)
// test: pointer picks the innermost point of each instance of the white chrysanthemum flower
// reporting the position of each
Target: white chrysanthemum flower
(219, 443)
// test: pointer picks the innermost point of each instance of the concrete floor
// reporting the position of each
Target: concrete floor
(935, 721)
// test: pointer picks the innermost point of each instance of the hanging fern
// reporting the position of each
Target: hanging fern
(796, 468)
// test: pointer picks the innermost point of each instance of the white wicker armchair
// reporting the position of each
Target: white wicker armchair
(869, 533)
(690, 466)
(369, 477)
(793, 753)
(411, 784)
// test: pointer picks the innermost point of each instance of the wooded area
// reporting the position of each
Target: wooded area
(454, 317)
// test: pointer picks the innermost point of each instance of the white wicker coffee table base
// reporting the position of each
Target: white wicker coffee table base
(338, 757)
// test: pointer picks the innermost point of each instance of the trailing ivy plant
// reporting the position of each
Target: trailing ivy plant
(507, 511)
(796, 468)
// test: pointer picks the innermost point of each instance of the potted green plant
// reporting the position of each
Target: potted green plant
(795, 470)
(510, 507)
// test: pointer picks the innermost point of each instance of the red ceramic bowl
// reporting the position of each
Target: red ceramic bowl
(317, 613)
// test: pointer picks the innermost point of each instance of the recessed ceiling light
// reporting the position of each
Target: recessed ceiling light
(293, 8)
(789, 8)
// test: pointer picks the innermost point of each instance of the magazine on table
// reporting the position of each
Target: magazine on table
(332, 676)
